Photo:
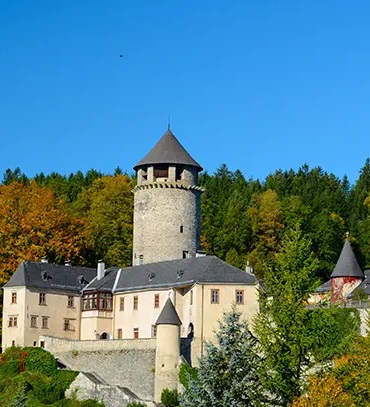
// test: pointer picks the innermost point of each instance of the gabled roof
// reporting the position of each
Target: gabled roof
(168, 150)
(51, 277)
(347, 265)
(172, 273)
(168, 315)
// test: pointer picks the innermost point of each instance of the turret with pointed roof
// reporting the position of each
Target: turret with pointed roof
(347, 265)
(347, 274)
(167, 204)
(168, 150)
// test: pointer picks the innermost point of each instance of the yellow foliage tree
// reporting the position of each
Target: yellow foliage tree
(34, 223)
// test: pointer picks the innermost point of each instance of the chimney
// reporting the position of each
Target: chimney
(100, 271)
(248, 268)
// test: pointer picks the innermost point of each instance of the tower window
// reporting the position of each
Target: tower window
(136, 333)
(181, 229)
(136, 302)
(119, 333)
(154, 331)
(161, 172)
(122, 304)
(14, 298)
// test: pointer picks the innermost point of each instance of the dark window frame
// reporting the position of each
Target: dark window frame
(97, 301)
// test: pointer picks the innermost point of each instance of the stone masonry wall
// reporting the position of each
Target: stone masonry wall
(159, 212)
(128, 363)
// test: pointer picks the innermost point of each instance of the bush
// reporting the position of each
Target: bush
(170, 398)
(10, 362)
(40, 361)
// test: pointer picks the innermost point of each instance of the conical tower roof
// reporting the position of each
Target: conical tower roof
(168, 315)
(347, 265)
(168, 150)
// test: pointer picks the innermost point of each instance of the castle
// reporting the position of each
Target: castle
(168, 303)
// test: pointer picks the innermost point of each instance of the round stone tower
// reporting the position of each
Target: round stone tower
(166, 204)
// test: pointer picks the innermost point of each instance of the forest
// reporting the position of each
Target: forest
(85, 217)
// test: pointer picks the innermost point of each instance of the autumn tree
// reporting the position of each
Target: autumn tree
(108, 210)
(266, 222)
(346, 384)
(33, 224)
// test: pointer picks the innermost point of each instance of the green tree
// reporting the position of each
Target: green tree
(228, 373)
(292, 337)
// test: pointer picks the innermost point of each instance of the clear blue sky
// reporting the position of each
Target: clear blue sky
(258, 85)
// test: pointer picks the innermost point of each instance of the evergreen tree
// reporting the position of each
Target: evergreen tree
(228, 372)
(281, 325)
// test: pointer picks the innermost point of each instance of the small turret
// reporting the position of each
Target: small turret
(167, 350)
(347, 274)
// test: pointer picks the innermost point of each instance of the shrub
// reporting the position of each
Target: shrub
(187, 372)
(10, 362)
(170, 398)
(40, 361)
(136, 404)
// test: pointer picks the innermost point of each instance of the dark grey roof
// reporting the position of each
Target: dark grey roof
(205, 269)
(347, 265)
(168, 315)
(365, 285)
(51, 277)
(324, 287)
(168, 150)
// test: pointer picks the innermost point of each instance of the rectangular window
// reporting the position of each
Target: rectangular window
(136, 333)
(13, 322)
(185, 254)
(13, 343)
(215, 296)
(181, 229)
(239, 296)
(45, 323)
(156, 301)
(97, 301)
(161, 172)
(136, 302)
(191, 297)
(42, 299)
(33, 321)
(119, 333)
(68, 325)
(105, 301)
(34, 343)
(71, 301)
(122, 304)
(42, 344)
(14, 298)
(154, 331)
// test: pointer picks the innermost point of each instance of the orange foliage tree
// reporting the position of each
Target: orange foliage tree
(346, 385)
(34, 223)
